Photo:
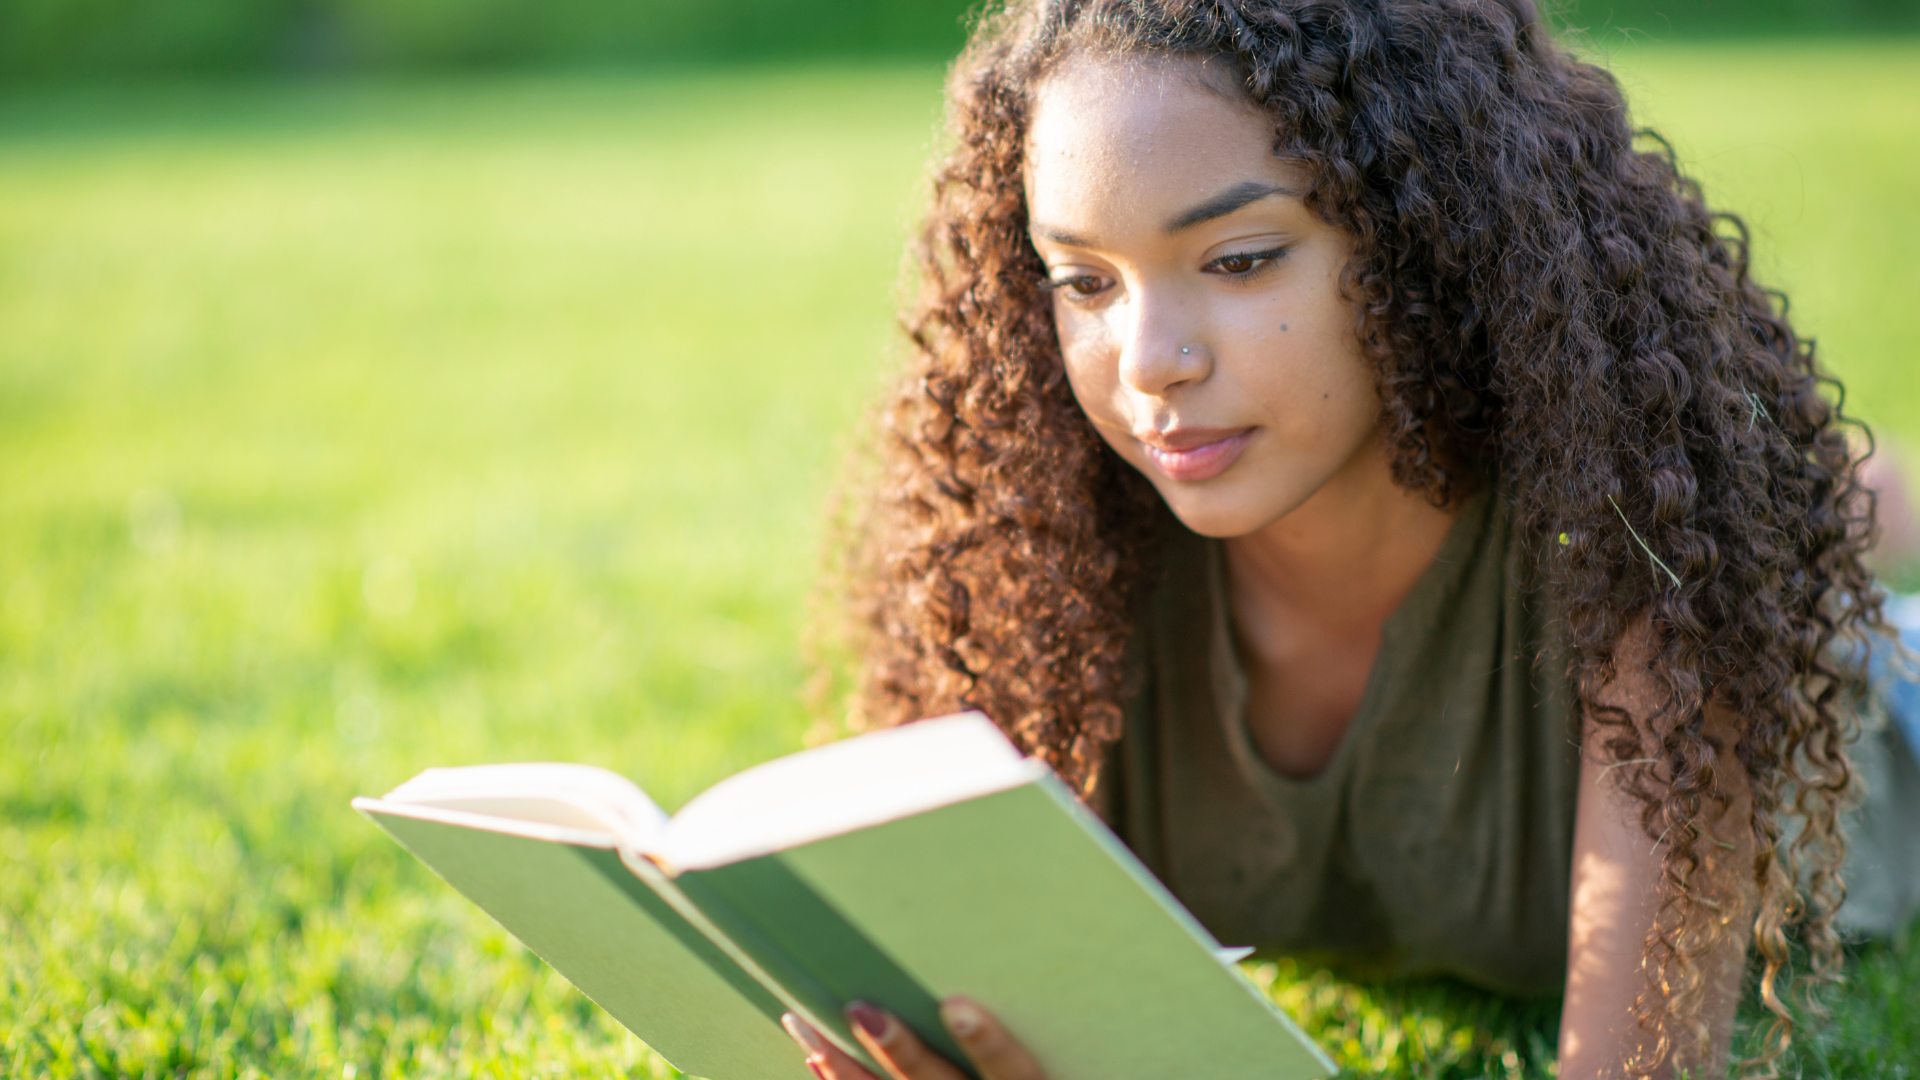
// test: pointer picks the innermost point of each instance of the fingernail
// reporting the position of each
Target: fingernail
(876, 1023)
(803, 1033)
(819, 1070)
(961, 1016)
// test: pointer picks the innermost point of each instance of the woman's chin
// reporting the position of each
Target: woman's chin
(1219, 519)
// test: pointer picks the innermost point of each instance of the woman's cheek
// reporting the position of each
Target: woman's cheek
(1091, 371)
(1094, 392)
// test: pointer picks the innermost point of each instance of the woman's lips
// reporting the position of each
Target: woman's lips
(1193, 455)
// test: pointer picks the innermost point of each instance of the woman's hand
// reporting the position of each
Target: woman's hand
(994, 1054)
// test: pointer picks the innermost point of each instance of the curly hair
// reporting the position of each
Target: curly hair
(1545, 296)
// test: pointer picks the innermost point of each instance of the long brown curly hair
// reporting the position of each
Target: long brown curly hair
(1546, 297)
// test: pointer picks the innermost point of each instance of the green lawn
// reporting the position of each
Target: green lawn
(346, 430)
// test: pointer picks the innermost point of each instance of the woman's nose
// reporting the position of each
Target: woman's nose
(1160, 351)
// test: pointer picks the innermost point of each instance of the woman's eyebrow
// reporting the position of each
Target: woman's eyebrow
(1060, 236)
(1226, 202)
(1235, 197)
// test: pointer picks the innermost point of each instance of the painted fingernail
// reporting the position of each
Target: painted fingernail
(961, 1016)
(803, 1033)
(819, 1070)
(876, 1023)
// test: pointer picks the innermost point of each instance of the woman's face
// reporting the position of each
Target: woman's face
(1197, 299)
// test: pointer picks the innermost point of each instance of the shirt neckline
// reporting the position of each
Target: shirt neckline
(1231, 678)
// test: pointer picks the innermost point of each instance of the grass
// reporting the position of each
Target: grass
(350, 429)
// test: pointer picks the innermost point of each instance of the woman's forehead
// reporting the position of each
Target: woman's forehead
(1091, 88)
(1134, 136)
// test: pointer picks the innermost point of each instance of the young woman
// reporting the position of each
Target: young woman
(1369, 474)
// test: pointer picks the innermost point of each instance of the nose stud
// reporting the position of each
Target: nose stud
(1185, 349)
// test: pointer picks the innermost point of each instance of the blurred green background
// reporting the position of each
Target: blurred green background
(354, 425)
(59, 39)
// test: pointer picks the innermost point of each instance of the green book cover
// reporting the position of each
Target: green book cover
(898, 867)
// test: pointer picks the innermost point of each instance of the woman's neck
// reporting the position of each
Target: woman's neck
(1347, 556)
(1309, 595)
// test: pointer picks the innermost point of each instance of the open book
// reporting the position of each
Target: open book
(897, 867)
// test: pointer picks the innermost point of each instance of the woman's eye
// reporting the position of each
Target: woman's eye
(1080, 284)
(1243, 263)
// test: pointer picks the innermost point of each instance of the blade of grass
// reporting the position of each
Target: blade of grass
(1643, 544)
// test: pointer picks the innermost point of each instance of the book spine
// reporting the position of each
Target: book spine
(790, 990)
(645, 888)
(793, 933)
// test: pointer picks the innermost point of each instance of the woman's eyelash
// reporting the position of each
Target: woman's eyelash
(1260, 260)
(1056, 284)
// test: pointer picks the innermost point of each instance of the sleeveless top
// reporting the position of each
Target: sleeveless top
(1438, 840)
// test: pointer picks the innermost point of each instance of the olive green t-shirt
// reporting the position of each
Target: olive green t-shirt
(1438, 839)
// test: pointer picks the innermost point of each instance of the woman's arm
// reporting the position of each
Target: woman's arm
(1616, 893)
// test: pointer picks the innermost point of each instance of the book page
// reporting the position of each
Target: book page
(848, 785)
(570, 796)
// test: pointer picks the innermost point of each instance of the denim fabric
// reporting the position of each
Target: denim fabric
(1899, 681)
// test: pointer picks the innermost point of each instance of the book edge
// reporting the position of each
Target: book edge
(707, 853)
(531, 830)
(707, 831)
